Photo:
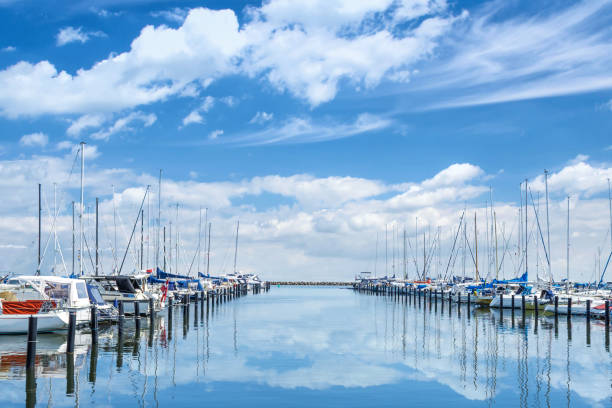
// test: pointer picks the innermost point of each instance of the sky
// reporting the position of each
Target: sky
(325, 127)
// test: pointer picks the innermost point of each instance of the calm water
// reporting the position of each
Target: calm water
(320, 347)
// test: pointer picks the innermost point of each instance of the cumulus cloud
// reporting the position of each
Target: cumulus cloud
(68, 35)
(34, 139)
(193, 117)
(304, 48)
(323, 227)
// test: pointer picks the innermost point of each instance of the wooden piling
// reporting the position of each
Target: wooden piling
(32, 335)
(93, 324)
(71, 331)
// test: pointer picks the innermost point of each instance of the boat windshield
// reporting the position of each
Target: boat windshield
(94, 295)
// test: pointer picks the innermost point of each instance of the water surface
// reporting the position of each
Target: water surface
(304, 347)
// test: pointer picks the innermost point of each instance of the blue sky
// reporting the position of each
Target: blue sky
(387, 92)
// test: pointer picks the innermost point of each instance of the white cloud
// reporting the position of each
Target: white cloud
(68, 35)
(495, 59)
(175, 15)
(578, 178)
(215, 134)
(307, 47)
(325, 227)
(34, 139)
(65, 145)
(161, 62)
(84, 122)
(9, 48)
(193, 117)
(124, 124)
(261, 117)
(304, 130)
(302, 47)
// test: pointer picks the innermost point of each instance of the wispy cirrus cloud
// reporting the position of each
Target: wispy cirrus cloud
(491, 58)
(306, 130)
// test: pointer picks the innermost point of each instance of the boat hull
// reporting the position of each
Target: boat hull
(46, 322)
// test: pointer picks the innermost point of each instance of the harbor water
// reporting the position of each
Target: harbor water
(318, 346)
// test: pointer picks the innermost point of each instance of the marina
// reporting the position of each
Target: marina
(332, 346)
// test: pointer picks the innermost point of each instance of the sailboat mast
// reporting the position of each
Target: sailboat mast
(236, 247)
(199, 238)
(97, 243)
(157, 243)
(81, 212)
(610, 206)
(568, 246)
(176, 244)
(39, 226)
(141, 238)
(405, 271)
(376, 255)
(548, 228)
(73, 238)
(476, 247)
(496, 259)
(386, 254)
(526, 231)
(208, 251)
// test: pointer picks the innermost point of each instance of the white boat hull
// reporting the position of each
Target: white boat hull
(46, 322)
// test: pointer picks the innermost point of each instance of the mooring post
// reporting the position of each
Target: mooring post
(569, 308)
(535, 304)
(137, 310)
(523, 305)
(94, 324)
(121, 317)
(469, 300)
(32, 334)
(151, 310)
(588, 310)
(71, 331)
(556, 307)
(607, 314)
(512, 303)
(501, 304)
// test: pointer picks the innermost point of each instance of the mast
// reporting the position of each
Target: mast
(141, 238)
(97, 244)
(424, 256)
(376, 255)
(496, 259)
(208, 251)
(170, 246)
(405, 271)
(526, 229)
(39, 226)
(157, 246)
(416, 244)
(548, 228)
(73, 240)
(610, 206)
(568, 246)
(236, 248)
(476, 247)
(199, 238)
(386, 254)
(176, 244)
(82, 207)
(115, 231)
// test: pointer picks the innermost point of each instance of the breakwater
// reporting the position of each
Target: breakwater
(310, 283)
